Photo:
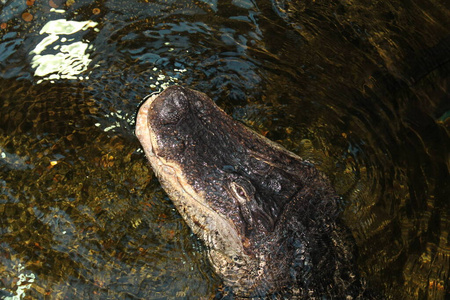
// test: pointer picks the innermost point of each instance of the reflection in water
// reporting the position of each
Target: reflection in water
(70, 59)
(23, 279)
(358, 87)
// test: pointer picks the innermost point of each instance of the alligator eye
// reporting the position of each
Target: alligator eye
(242, 190)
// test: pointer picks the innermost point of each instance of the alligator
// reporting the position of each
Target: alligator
(269, 219)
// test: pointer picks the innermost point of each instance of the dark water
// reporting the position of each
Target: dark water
(360, 87)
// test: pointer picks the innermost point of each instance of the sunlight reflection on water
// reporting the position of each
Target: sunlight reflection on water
(71, 58)
(24, 280)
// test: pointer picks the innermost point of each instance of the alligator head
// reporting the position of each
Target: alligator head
(267, 217)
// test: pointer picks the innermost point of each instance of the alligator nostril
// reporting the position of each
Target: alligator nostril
(171, 105)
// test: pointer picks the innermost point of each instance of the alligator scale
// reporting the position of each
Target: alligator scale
(268, 218)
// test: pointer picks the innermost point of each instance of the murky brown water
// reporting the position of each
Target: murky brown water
(360, 87)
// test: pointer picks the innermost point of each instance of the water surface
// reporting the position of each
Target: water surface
(359, 87)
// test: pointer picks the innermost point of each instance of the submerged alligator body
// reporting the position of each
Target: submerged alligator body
(268, 218)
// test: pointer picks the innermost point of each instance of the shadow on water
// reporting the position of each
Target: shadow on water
(359, 87)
